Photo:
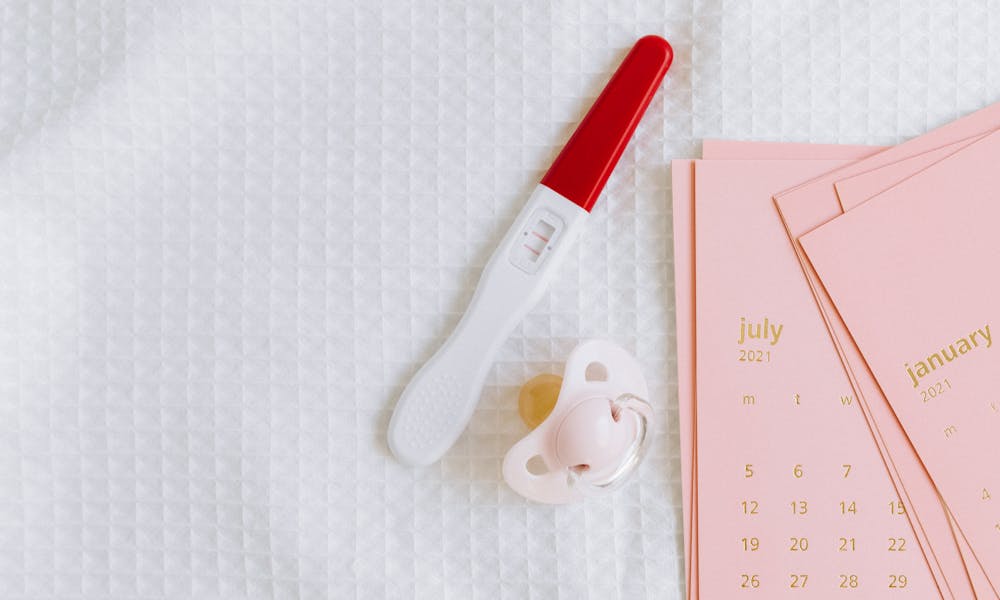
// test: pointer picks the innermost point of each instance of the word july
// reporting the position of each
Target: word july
(961, 347)
(759, 331)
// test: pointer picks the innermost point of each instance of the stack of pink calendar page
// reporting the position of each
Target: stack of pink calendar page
(924, 239)
(833, 369)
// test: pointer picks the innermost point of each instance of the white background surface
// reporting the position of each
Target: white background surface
(229, 233)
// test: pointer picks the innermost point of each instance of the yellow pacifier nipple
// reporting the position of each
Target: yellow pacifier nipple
(537, 398)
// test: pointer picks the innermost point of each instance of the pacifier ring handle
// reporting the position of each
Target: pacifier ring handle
(637, 450)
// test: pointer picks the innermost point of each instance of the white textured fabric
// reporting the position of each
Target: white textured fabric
(231, 231)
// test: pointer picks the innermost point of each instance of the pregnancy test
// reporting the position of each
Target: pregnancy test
(438, 402)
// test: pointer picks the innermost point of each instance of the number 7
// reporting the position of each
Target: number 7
(847, 470)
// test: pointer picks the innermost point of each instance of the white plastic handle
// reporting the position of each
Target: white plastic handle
(440, 399)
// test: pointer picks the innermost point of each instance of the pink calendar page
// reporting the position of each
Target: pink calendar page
(793, 497)
(928, 337)
(682, 187)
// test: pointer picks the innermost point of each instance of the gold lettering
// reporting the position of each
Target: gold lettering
(944, 353)
(765, 330)
(949, 353)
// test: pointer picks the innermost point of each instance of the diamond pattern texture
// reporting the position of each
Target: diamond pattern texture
(233, 230)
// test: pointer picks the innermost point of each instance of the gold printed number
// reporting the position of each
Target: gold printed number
(750, 544)
(896, 508)
(748, 471)
(797, 472)
(749, 581)
(755, 356)
(848, 507)
(800, 507)
(799, 544)
(847, 545)
(897, 544)
(847, 470)
(798, 581)
(750, 507)
(897, 581)
(848, 581)
(986, 494)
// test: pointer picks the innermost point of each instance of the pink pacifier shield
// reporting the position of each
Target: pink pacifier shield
(594, 437)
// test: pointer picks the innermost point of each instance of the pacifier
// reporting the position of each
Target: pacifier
(590, 430)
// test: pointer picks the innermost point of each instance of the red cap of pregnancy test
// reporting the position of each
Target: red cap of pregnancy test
(585, 163)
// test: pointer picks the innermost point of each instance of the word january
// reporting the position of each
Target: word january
(961, 347)
(759, 331)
